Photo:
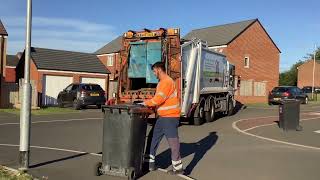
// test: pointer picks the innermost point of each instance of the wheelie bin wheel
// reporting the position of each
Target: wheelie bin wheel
(131, 174)
(98, 169)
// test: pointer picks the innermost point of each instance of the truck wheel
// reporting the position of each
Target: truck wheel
(210, 115)
(199, 114)
(230, 108)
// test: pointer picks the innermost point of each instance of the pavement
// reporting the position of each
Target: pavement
(245, 146)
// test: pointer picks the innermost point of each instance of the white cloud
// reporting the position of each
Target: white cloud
(71, 45)
(58, 33)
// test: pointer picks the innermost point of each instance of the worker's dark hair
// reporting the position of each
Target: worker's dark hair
(160, 65)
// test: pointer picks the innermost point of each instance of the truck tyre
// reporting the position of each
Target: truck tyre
(210, 115)
(199, 114)
(230, 108)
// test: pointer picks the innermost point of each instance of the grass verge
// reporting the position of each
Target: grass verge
(314, 102)
(9, 175)
(43, 111)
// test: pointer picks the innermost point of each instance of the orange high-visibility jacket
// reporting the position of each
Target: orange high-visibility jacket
(166, 99)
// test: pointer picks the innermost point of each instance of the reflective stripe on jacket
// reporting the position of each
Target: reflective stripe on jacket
(166, 99)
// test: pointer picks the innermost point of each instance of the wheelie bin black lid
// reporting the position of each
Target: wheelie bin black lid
(288, 101)
(130, 108)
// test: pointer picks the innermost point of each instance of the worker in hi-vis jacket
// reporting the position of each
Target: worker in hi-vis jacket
(168, 109)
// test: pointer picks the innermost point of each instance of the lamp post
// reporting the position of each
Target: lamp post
(313, 71)
(25, 113)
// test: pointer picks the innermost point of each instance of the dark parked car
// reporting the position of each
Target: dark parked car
(287, 92)
(81, 95)
(308, 89)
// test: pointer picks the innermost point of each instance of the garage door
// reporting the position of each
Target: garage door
(100, 81)
(52, 85)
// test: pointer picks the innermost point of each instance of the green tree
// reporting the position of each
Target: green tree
(289, 78)
(310, 55)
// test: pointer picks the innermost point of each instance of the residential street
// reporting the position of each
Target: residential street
(68, 147)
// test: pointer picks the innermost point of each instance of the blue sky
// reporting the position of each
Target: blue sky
(81, 25)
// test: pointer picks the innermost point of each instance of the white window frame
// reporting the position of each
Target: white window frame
(110, 60)
(246, 63)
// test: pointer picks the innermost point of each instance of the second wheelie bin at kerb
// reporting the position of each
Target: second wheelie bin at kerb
(124, 133)
(289, 115)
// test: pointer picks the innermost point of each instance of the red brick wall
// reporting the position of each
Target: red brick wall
(34, 75)
(104, 59)
(10, 74)
(305, 73)
(264, 60)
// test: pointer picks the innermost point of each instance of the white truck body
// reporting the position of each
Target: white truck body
(204, 72)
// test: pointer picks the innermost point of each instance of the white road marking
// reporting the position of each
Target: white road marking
(51, 148)
(68, 150)
(265, 117)
(82, 152)
(275, 124)
(52, 121)
(317, 131)
(163, 170)
(259, 126)
(315, 113)
(234, 126)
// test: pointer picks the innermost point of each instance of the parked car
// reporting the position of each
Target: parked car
(81, 95)
(308, 89)
(287, 92)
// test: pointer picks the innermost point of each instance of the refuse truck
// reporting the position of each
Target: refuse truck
(206, 80)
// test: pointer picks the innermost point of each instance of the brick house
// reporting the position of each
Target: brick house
(250, 48)
(109, 55)
(305, 74)
(53, 70)
(3, 54)
(11, 64)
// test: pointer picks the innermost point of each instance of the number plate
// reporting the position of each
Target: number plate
(94, 94)
(276, 99)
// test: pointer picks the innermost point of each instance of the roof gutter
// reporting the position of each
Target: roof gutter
(215, 47)
(72, 72)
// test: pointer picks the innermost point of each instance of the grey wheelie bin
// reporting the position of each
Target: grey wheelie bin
(124, 133)
(289, 115)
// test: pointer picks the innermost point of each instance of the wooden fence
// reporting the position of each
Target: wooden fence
(11, 94)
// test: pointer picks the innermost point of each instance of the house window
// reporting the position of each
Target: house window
(246, 62)
(110, 60)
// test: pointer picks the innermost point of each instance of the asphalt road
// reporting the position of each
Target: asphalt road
(61, 143)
